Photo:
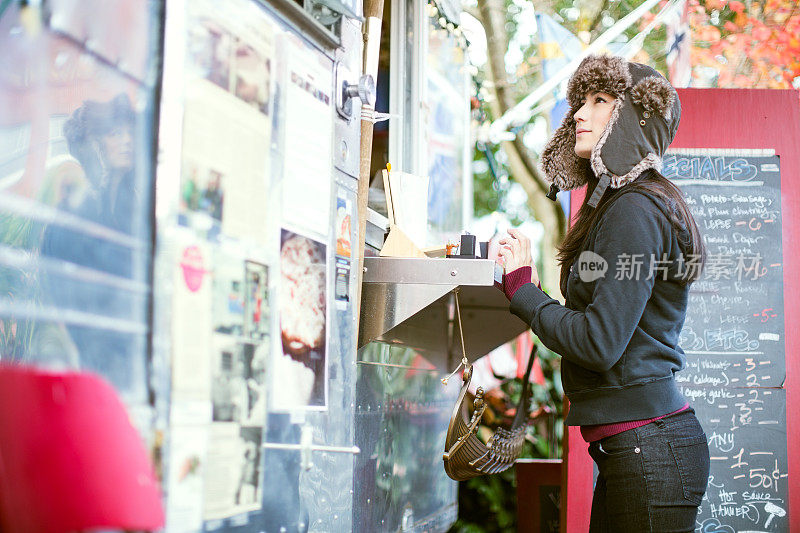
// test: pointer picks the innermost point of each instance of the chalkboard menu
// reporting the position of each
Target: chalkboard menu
(733, 336)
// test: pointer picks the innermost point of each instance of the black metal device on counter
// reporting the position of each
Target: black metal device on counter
(470, 248)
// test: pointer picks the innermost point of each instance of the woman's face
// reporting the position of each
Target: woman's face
(117, 147)
(591, 120)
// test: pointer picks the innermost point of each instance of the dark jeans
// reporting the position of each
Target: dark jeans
(652, 478)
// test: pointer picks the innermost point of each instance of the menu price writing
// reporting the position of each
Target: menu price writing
(733, 336)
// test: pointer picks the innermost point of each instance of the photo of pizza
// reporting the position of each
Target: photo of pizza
(302, 290)
(302, 307)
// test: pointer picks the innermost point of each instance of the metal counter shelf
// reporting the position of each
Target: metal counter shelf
(410, 301)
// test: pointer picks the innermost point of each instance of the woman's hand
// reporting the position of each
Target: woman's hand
(516, 252)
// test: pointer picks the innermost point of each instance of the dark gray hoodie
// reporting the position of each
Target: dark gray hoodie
(618, 333)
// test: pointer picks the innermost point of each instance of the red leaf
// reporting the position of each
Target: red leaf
(736, 6)
(761, 33)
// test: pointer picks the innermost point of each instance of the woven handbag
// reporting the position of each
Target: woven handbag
(465, 455)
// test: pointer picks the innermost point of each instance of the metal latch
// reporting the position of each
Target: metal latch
(364, 91)
(328, 12)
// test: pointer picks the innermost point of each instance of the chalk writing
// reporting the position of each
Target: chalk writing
(733, 339)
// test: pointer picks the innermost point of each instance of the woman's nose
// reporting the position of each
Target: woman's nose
(580, 114)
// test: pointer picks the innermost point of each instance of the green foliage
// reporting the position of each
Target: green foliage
(16, 285)
(22, 235)
(487, 504)
(491, 186)
(486, 188)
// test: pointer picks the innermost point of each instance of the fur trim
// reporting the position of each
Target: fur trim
(598, 165)
(560, 163)
(612, 75)
(651, 160)
(597, 73)
(655, 94)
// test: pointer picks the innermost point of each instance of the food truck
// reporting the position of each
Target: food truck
(183, 187)
(180, 215)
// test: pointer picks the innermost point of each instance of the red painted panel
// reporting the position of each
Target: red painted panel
(577, 487)
(533, 475)
(765, 119)
(70, 460)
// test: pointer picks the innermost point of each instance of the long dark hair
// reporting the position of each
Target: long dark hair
(654, 184)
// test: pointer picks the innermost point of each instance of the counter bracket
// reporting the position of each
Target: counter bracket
(409, 302)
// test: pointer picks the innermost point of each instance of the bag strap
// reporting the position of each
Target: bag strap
(464, 361)
(465, 456)
(522, 407)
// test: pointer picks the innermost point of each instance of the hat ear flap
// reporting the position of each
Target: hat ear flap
(655, 94)
(559, 161)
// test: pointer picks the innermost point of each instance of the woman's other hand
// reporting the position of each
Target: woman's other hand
(515, 251)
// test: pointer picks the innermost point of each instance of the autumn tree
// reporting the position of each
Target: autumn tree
(753, 45)
(747, 44)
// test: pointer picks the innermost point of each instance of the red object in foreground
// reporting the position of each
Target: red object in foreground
(70, 459)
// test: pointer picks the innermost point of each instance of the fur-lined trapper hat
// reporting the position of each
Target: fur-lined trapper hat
(642, 125)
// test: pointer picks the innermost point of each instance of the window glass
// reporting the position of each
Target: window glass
(446, 114)
(75, 193)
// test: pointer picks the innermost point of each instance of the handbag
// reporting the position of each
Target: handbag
(465, 455)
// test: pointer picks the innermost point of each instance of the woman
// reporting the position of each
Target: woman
(626, 267)
(100, 136)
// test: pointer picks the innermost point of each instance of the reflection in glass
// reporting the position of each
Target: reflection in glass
(75, 174)
(103, 200)
(401, 421)
(99, 136)
(446, 132)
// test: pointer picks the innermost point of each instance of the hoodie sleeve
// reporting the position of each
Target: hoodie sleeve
(632, 230)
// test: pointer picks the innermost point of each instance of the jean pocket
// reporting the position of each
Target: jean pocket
(618, 445)
(693, 462)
